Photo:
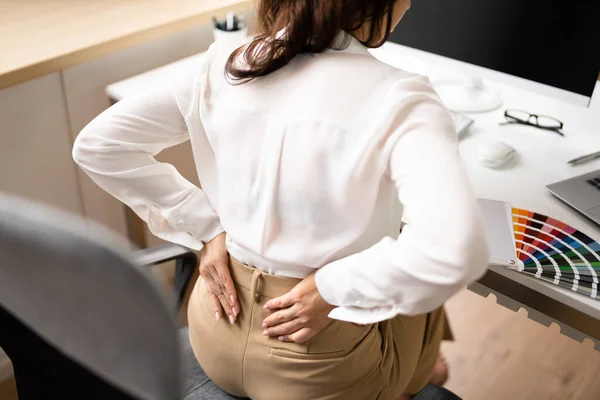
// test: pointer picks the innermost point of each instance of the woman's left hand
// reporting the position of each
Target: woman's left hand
(299, 314)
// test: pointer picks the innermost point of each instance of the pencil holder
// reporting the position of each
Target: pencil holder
(230, 39)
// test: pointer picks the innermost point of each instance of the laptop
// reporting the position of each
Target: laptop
(582, 193)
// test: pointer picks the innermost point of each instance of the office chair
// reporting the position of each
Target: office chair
(79, 321)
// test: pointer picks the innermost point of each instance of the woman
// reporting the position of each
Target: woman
(301, 141)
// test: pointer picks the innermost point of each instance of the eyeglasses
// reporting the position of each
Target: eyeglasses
(539, 121)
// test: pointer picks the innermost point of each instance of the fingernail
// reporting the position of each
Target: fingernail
(231, 320)
(217, 316)
(281, 338)
(265, 325)
(266, 306)
(231, 298)
(234, 311)
(266, 332)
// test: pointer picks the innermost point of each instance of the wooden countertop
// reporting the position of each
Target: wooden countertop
(38, 37)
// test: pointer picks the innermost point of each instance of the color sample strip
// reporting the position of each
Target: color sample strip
(567, 281)
(581, 290)
(557, 253)
(578, 247)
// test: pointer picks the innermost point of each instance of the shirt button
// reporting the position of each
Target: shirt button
(257, 297)
(180, 222)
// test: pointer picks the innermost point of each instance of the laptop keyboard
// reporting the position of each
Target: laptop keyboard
(595, 182)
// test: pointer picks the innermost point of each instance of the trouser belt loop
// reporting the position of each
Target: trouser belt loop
(254, 286)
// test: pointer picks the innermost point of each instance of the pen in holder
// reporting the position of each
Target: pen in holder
(230, 33)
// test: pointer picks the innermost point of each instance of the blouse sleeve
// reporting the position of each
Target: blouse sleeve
(117, 151)
(442, 247)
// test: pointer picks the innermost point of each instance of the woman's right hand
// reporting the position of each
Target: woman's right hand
(214, 269)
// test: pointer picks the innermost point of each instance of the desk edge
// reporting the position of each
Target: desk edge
(540, 308)
(75, 57)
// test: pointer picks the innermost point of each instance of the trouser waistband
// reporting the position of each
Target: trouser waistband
(259, 282)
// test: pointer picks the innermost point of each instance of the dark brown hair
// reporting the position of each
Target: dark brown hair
(311, 27)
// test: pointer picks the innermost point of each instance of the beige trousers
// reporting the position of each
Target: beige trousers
(344, 361)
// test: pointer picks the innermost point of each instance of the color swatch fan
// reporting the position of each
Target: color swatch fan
(555, 252)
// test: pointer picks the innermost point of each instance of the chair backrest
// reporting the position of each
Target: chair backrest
(74, 286)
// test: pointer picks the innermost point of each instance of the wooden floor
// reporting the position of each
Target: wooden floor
(501, 355)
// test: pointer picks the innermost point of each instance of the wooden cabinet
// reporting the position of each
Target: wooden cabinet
(35, 144)
(40, 119)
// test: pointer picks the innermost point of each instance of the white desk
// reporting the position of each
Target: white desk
(542, 160)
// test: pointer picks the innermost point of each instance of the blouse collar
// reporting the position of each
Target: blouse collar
(343, 42)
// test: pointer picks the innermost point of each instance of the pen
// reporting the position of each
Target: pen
(218, 25)
(230, 21)
(585, 158)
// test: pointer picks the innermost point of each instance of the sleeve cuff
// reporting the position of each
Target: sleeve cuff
(356, 315)
(325, 288)
(363, 315)
(186, 239)
(191, 223)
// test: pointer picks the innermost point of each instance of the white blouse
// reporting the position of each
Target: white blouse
(303, 169)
